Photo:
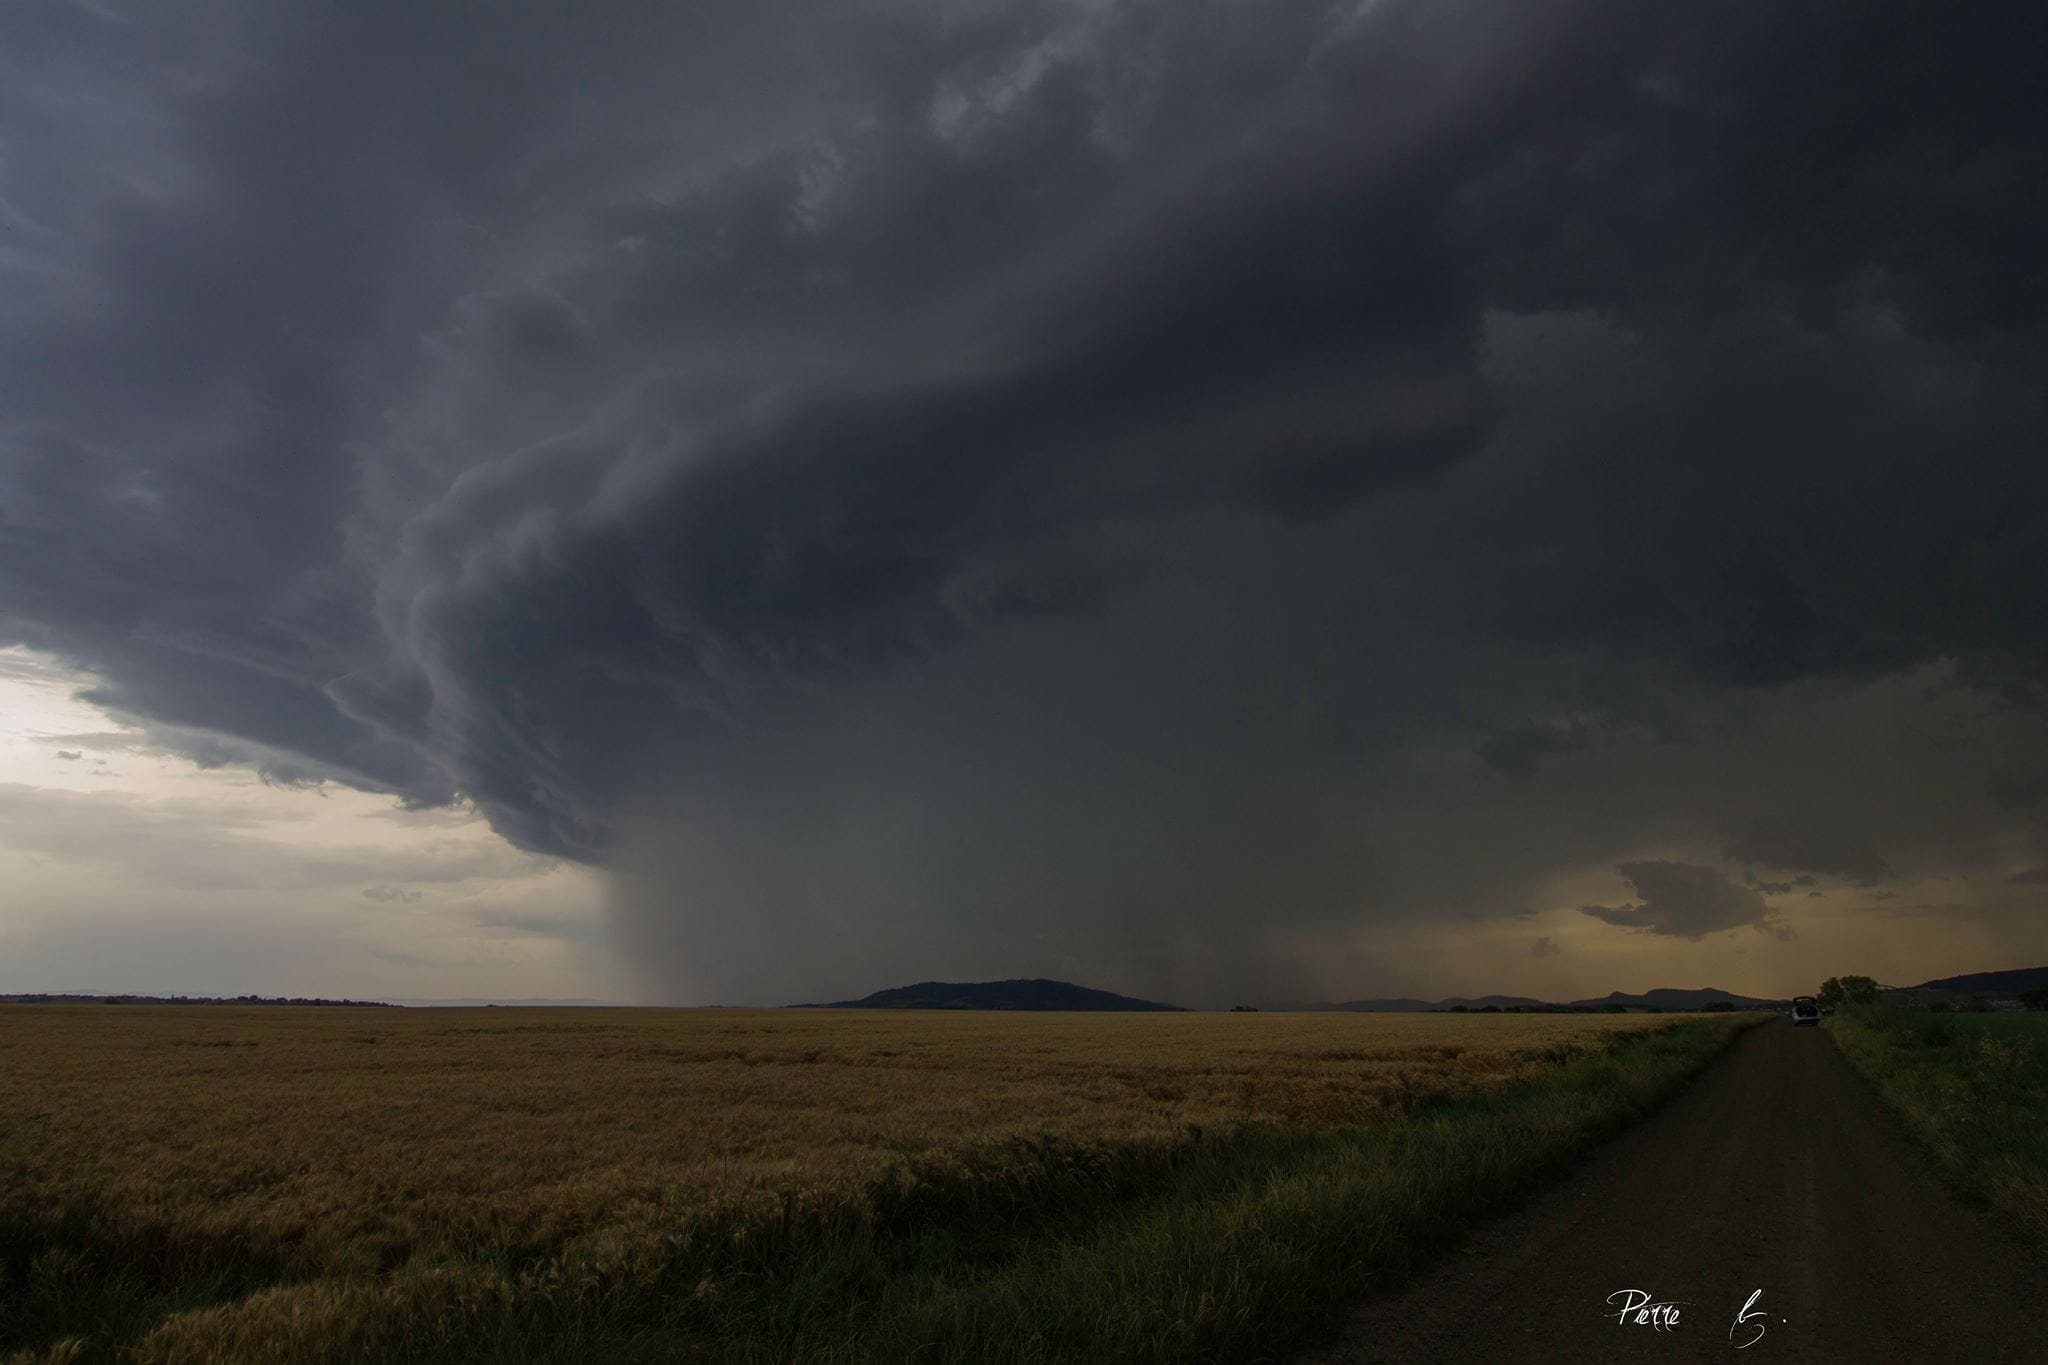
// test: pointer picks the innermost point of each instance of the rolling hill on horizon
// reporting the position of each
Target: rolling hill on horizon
(1039, 993)
(1406, 1005)
(1036, 993)
(2010, 982)
(1670, 998)
(1662, 997)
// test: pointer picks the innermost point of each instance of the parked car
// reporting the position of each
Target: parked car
(1805, 1010)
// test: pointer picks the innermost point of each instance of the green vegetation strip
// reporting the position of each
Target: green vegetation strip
(1238, 1246)
(1972, 1089)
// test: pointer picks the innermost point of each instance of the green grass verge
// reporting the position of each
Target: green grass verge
(1243, 1246)
(1972, 1089)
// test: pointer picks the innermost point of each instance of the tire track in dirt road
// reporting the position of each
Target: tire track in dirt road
(1776, 1170)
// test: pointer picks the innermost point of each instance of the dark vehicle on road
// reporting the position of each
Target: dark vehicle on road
(1805, 1010)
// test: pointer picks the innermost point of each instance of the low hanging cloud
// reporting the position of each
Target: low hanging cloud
(99, 741)
(1686, 900)
(1810, 847)
(1786, 888)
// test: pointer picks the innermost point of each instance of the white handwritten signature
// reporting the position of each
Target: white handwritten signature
(1640, 1308)
(1748, 1317)
(1661, 1314)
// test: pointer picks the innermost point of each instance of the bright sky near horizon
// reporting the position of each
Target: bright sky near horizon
(127, 868)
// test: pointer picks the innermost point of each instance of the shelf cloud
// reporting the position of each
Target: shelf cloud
(1122, 487)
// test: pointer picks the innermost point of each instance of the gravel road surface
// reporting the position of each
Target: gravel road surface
(1774, 1171)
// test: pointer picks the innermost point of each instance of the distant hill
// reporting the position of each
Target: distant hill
(995, 995)
(1992, 983)
(1669, 998)
(1404, 1005)
(1663, 998)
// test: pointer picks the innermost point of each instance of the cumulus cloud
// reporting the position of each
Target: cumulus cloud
(1688, 901)
(391, 895)
(1545, 947)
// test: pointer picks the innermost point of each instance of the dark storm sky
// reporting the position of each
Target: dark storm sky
(1207, 498)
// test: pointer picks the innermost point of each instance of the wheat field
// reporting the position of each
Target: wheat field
(338, 1145)
(384, 1132)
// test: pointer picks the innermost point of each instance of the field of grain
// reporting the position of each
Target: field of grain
(272, 1146)
(387, 1131)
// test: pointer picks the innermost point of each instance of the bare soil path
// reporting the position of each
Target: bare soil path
(1776, 1171)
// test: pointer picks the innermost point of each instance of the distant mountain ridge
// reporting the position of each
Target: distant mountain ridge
(1404, 1005)
(1992, 983)
(1032, 994)
(1662, 998)
(1670, 998)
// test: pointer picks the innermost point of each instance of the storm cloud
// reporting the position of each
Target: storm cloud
(1072, 487)
(1687, 901)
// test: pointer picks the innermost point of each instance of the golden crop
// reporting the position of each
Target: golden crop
(378, 1134)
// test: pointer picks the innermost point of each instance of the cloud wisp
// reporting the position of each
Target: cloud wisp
(1688, 901)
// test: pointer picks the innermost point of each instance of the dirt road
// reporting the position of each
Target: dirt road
(1774, 1171)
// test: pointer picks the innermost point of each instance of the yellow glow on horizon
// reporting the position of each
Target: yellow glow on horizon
(111, 838)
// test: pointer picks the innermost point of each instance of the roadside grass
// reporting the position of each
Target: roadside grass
(1972, 1089)
(1242, 1244)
